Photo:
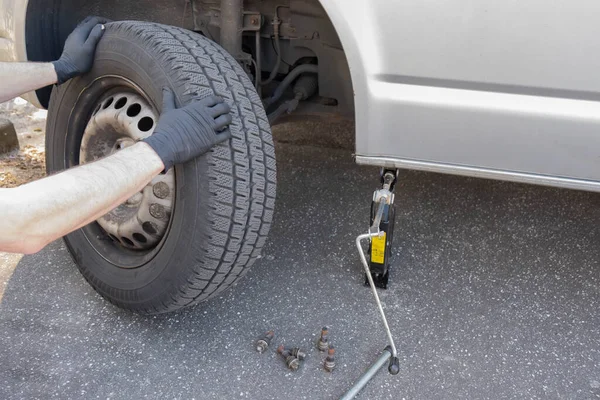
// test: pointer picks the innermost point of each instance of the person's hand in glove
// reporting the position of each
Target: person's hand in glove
(185, 133)
(78, 54)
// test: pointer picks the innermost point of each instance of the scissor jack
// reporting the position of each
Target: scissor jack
(377, 270)
(382, 222)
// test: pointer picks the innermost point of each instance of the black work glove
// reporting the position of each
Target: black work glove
(78, 55)
(183, 134)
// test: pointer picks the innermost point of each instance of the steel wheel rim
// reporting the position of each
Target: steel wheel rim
(120, 120)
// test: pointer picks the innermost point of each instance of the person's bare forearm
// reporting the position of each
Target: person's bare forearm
(21, 77)
(47, 209)
(33, 215)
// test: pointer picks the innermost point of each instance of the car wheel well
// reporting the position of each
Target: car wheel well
(49, 22)
(307, 33)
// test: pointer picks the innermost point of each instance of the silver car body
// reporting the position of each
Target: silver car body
(504, 90)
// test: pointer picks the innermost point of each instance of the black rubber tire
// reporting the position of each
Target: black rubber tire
(225, 199)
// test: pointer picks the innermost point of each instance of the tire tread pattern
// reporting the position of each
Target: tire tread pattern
(242, 176)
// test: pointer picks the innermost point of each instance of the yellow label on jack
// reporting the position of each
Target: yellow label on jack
(378, 249)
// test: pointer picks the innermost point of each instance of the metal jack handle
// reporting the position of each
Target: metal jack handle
(368, 374)
(382, 197)
(394, 366)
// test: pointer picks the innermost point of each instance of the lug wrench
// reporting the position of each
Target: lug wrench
(368, 374)
(382, 197)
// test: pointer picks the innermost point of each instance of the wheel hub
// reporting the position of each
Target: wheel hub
(121, 120)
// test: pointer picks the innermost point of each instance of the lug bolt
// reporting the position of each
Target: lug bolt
(263, 343)
(290, 361)
(282, 351)
(298, 353)
(323, 343)
(158, 211)
(329, 364)
(161, 190)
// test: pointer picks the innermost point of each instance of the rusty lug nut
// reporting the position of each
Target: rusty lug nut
(323, 343)
(263, 343)
(329, 364)
(290, 361)
(298, 353)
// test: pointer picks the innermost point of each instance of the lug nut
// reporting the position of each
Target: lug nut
(290, 361)
(158, 211)
(298, 353)
(161, 190)
(329, 364)
(323, 343)
(263, 343)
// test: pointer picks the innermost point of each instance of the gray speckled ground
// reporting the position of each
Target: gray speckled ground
(494, 294)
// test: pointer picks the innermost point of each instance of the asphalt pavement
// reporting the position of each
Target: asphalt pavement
(494, 294)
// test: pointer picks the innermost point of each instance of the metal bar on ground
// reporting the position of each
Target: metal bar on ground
(368, 374)
(373, 289)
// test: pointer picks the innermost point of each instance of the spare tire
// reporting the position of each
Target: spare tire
(195, 234)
